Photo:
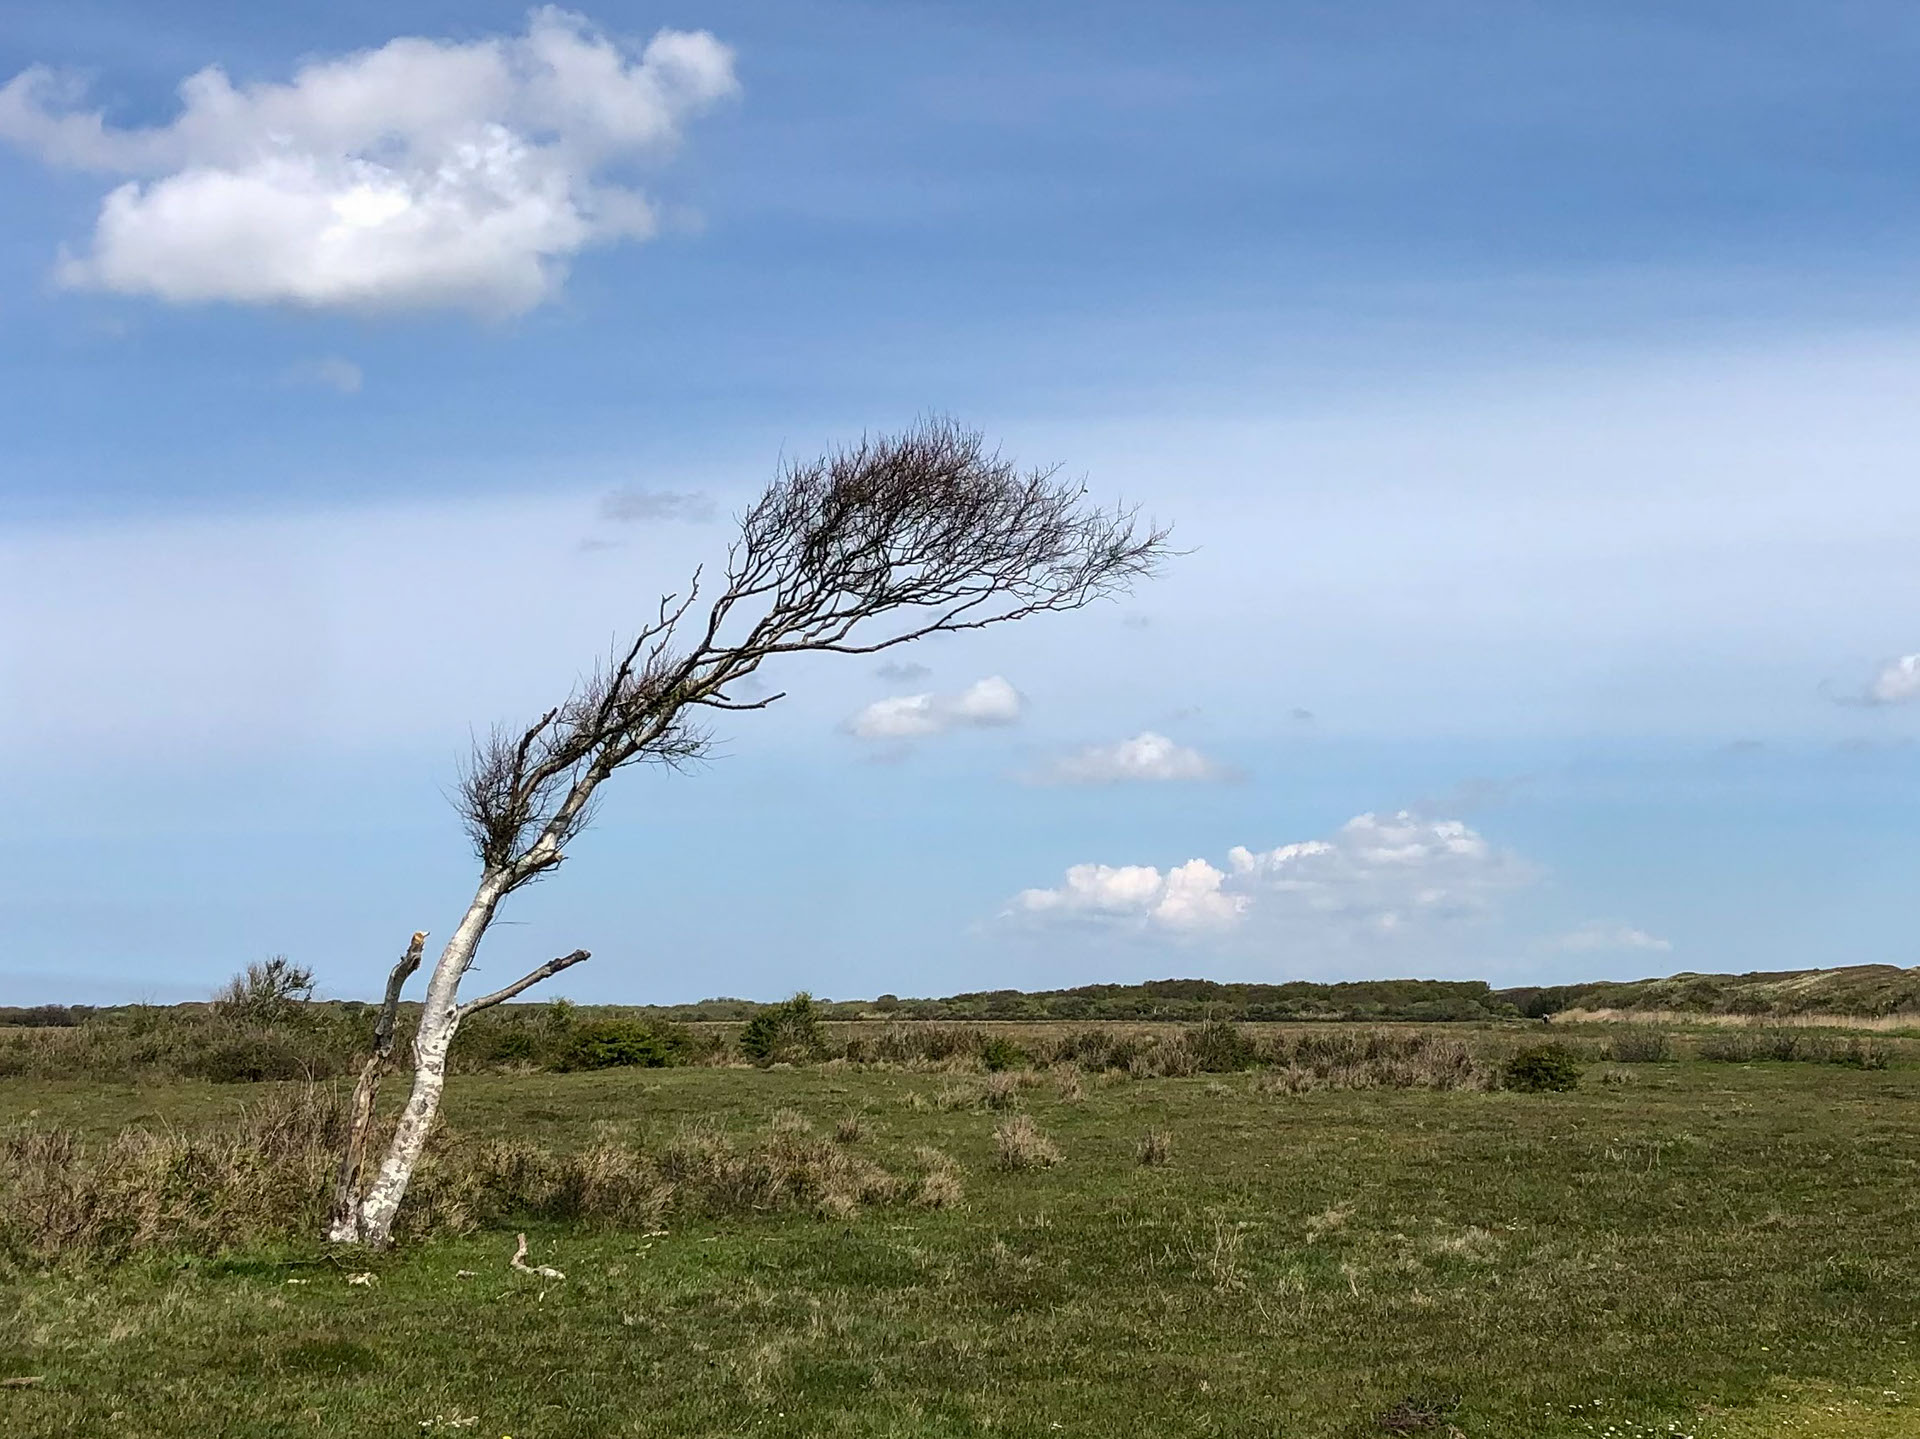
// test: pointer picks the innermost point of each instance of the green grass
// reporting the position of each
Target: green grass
(1729, 1249)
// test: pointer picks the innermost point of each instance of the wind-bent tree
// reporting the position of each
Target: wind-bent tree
(871, 547)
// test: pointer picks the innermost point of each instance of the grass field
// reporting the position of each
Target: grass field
(1674, 1248)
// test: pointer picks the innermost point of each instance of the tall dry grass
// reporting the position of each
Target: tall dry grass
(1380, 1059)
(265, 1176)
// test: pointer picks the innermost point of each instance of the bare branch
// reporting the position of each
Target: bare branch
(719, 704)
(526, 982)
(868, 548)
(344, 1221)
(865, 549)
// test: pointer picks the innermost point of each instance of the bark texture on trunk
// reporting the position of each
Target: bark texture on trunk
(440, 1016)
(343, 1223)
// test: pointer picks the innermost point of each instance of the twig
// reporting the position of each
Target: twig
(519, 1261)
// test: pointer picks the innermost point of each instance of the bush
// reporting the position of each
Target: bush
(1000, 1053)
(1639, 1044)
(1545, 1068)
(1746, 1046)
(262, 1176)
(1862, 1054)
(1219, 1047)
(1378, 1059)
(1786, 1046)
(620, 1043)
(252, 1055)
(787, 1032)
(269, 992)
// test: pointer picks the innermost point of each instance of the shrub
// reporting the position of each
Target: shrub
(262, 1176)
(1000, 1053)
(1862, 1054)
(1639, 1044)
(1541, 1069)
(788, 1032)
(1019, 1144)
(250, 1054)
(1219, 1046)
(270, 991)
(1786, 1046)
(1377, 1059)
(1746, 1046)
(917, 1044)
(617, 1043)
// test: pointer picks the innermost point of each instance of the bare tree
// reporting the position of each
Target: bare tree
(868, 548)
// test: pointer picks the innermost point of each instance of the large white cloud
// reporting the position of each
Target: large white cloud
(1146, 758)
(1188, 897)
(424, 173)
(1376, 875)
(983, 704)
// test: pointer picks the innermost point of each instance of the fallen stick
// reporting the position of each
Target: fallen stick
(519, 1261)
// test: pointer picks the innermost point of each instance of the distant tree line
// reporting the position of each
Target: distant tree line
(1413, 1000)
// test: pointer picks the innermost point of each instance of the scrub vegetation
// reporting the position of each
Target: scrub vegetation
(955, 1229)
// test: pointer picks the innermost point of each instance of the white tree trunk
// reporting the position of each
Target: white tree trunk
(440, 1017)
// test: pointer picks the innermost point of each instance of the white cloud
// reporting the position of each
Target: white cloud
(983, 704)
(1187, 897)
(1377, 875)
(1147, 757)
(425, 173)
(1597, 935)
(1897, 682)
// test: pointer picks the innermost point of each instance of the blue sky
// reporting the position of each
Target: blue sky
(1532, 386)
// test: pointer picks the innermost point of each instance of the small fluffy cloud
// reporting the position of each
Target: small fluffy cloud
(1376, 875)
(1601, 935)
(425, 173)
(983, 704)
(1146, 758)
(1897, 683)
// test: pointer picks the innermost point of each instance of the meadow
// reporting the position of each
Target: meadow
(1711, 1245)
